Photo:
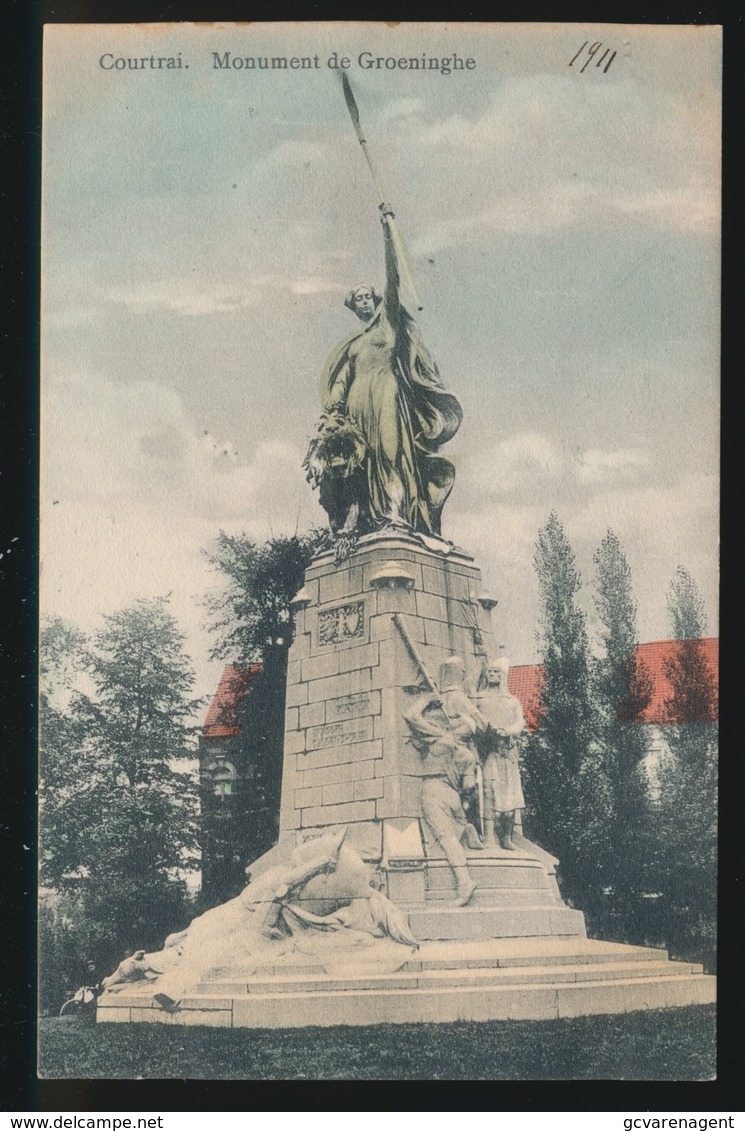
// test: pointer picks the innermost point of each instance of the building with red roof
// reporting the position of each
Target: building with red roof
(657, 658)
(222, 714)
(226, 775)
(526, 682)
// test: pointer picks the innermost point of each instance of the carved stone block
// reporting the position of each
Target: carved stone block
(341, 624)
(352, 706)
(312, 714)
(338, 814)
(344, 771)
(341, 733)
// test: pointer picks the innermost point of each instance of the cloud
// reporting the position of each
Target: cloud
(398, 110)
(567, 203)
(659, 528)
(544, 154)
(516, 462)
(136, 446)
(133, 491)
(598, 466)
(526, 463)
(186, 296)
(197, 296)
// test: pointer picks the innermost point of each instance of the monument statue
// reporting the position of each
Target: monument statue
(137, 967)
(386, 413)
(450, 769)
(327, 886)
(323, 901)
(465, 717)
(498, 736)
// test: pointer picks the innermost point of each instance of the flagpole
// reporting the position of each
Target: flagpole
(398, 243)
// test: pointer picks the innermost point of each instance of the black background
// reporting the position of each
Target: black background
(20, 136)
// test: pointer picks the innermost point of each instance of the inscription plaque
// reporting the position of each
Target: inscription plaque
(339, 734)
(349, 706)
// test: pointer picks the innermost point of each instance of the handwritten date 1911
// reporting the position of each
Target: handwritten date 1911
(592, 51)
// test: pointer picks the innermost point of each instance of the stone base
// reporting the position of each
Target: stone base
(529, 979)
(515, 897)
(490, 923)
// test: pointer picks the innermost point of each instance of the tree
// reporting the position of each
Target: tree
(64, 948)
(254, 622)
(622, 689)
(688, 779)
(62, 649)
(118, 803)
(251, 613)
(566, 788)
(694, 698)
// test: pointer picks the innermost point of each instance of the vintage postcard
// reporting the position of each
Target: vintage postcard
(379, 529)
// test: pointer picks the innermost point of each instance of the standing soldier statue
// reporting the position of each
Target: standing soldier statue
(450, 768)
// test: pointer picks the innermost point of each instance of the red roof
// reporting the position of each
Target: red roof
(526, 681)
(221, 721)
(655, 657)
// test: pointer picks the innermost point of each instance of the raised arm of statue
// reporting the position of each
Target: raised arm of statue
(392, 278)
(423, 727)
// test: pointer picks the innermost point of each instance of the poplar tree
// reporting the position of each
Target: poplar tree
(567, 793)
(622, 689)
(688, 779)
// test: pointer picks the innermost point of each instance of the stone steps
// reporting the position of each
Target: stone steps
(452, 922)
(495, 897)
(506, 872)
(488, 954)
(521, 952)
(534, 1002)
(477, 980)
(423, 979)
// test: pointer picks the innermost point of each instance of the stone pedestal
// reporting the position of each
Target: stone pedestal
(349, 759)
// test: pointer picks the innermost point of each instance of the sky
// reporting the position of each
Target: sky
(202, 226)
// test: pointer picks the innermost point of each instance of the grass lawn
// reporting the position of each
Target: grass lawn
(674, 1044)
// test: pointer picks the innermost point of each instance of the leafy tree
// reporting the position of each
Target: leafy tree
(253, 622)
(61, 660)
(64, 939)
(251, 613)
(118, 803)
(622, 689)
(688, 779)
(567, 790)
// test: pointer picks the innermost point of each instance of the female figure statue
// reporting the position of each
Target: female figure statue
(499, 741)
(385, 415)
